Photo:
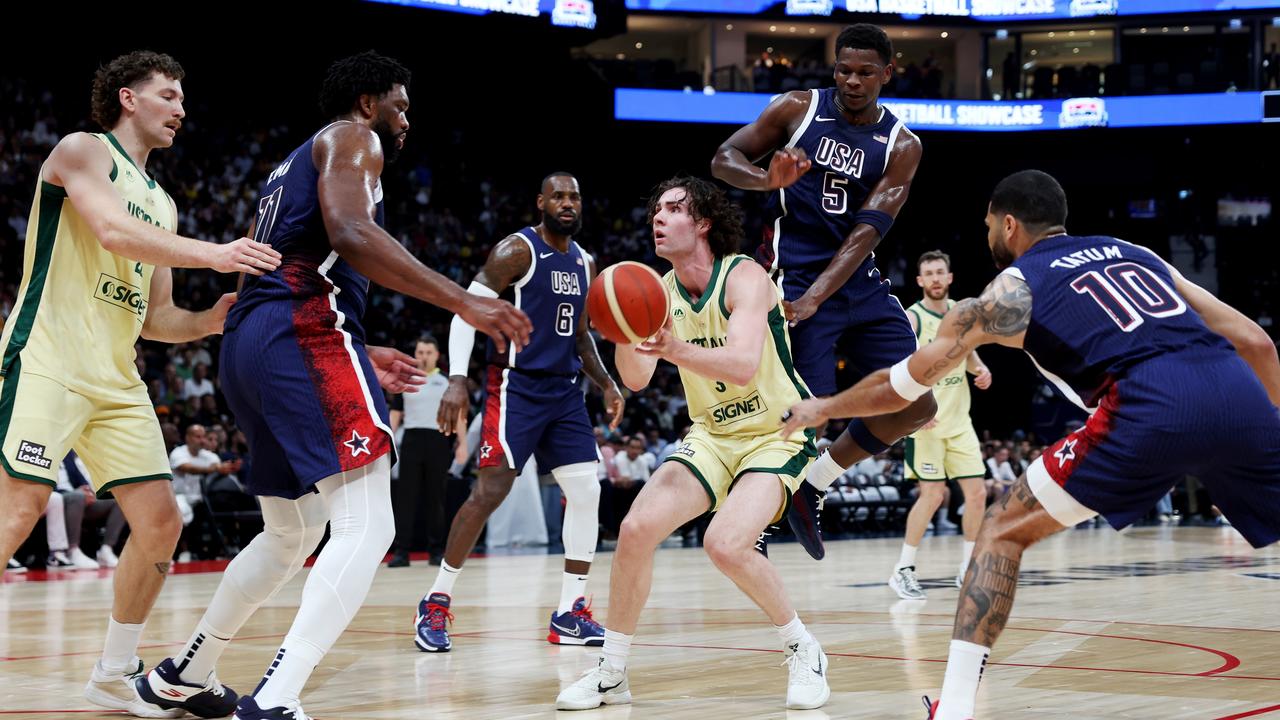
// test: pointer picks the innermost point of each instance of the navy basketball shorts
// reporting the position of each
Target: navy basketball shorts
(527, 414)
(1165, 419)
(306, 397)
(864, 308)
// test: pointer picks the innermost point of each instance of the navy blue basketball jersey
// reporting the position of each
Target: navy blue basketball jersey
(811, 219)
(553, 293)
(1101, 306)
(289, 220)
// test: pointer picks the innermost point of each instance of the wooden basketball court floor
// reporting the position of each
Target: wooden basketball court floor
(1156, 622)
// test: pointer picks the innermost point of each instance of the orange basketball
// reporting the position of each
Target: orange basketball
(628, 302)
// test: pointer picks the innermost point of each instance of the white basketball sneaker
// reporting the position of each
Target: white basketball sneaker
(904, 582)
(80, 561)
(107, 557)
(601, 685)
(807, 686)
(116, 691)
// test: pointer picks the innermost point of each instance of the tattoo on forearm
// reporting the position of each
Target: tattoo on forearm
(592, 366)
(162, 568)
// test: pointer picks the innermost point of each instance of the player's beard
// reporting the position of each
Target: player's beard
(936, 294)
(390, 149)
(552, 223)
(1001, 254)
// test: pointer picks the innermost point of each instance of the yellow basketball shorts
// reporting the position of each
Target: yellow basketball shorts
(719, 460)
(932, 458)
(119, 439)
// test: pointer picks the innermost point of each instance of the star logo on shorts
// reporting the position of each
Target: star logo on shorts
(485, 449)
(1067, 452)
(358, 444)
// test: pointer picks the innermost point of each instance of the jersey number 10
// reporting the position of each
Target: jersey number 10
(1127, 291)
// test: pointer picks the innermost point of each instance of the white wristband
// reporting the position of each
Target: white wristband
(902, 382)
(462, 337)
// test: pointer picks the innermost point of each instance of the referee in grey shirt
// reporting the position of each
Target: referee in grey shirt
(425, 454)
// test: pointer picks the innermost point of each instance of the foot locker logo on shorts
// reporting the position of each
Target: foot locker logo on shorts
(33, 454)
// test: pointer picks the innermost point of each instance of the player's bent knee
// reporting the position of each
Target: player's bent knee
(637, 529)
(725, 551)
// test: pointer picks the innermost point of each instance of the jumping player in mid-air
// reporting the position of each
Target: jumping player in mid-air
(841, 169)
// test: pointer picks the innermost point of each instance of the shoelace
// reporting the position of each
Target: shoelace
(909, 579)
(793, 662)
(928, 707)
(437, 615)
(216, 687)
(584, 615)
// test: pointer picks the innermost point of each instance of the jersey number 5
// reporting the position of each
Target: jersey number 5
(835, 198)
(1127, 291)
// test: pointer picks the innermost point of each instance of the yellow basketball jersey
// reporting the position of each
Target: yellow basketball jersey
(80, 308)
(952, 391)
(720, 406)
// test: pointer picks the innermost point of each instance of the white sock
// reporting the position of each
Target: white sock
(121, 646)
(616, 649)
(292, 529)
(824, 471)
(294, 663)
(203, 650)
(960, 687)
(572, 587)
(907, 558)
(968, 553)
(361, 529)
(793, 633)
(445, 579)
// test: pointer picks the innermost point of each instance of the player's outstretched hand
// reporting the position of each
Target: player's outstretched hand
(786, 167)
(499, 320)
(983, 379)
(246, 256)
(806, 413)
(396, 371)
(451, 418)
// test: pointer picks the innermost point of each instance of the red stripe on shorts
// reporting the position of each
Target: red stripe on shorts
(492, 453)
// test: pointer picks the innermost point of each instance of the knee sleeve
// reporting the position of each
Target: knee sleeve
(581, 515)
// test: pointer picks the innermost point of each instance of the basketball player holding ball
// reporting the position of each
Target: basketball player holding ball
(727, 335)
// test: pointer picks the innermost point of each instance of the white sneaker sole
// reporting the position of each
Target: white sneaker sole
(813, 705)
(623, 698)
(570, 640)
(135, 707)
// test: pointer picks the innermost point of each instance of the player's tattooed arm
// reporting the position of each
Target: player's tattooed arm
(1000, 315)
(509, 260)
